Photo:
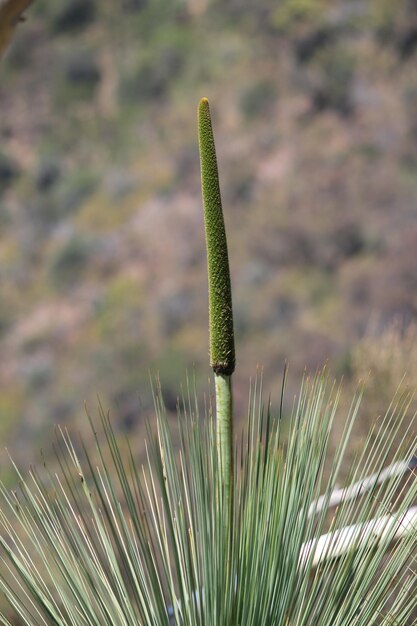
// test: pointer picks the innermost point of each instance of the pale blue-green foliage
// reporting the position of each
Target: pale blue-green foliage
(112, 543)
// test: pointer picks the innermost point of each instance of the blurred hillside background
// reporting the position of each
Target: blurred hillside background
(102, 260)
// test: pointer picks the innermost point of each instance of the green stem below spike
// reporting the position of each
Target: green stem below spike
(224, 406)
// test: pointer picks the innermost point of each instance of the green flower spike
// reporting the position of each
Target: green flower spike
(222, 344)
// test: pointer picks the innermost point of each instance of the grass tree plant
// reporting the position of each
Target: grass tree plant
(222, 531)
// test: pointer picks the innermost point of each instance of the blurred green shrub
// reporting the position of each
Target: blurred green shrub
(60, 193)
(396, 23)
(175, 311)
(158, 62)
(37, 372)
(290, 15)
(5, 318)
(120, 309)
(308, 44)
(134, 5)
(47, 175)
(410, 107)
(330, 79)
(151, 76)
(69, 261)
(20, 53)
(344, 240)
(75, 188)
(11, 401)
(73, 15)
(82, 71)
(241, 185)
(9, 171)
(258, 98)
(78, 75)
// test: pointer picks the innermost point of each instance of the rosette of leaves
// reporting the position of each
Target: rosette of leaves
(108, 542)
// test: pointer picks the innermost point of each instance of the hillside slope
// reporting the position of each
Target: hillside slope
(102, 269)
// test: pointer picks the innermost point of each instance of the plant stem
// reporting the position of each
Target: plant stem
(222, 347)
(224, 407)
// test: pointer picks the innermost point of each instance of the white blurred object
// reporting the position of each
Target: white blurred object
(335, 544)
(362, 486)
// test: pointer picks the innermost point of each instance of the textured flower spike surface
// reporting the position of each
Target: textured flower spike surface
(208, 534)
(222, 343)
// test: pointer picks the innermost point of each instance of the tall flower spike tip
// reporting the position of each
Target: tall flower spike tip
(222, 344)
